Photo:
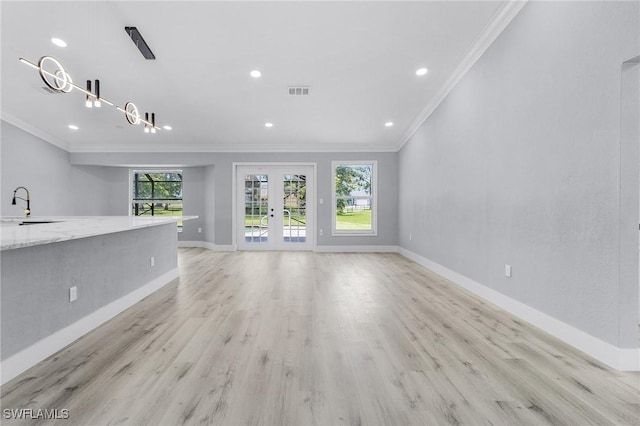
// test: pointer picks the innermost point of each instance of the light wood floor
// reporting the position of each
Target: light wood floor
(299, 338)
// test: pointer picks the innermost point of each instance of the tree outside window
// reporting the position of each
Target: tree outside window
(353, 195)
(157, 193)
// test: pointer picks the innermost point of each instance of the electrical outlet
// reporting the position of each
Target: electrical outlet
(321, 201)
(199, 230)
(321, 232)
(152, 260)
(73, 293)
(507, 271)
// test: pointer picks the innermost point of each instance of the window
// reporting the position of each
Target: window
(156, 193)
(354, 202)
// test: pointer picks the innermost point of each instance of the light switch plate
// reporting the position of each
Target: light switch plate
(507, 271)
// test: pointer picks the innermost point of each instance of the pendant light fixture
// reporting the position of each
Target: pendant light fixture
(60, 81)
(96, 102)
(88, 102)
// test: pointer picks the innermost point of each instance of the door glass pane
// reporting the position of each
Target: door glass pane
(256, 203)
(294, 217)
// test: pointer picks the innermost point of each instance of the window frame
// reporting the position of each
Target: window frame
(132, 173)
(373, 232)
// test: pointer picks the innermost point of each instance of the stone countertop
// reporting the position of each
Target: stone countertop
(65, 228)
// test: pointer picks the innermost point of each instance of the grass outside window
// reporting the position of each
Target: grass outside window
(354, 220)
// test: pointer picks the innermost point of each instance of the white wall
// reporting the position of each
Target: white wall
(520, 165)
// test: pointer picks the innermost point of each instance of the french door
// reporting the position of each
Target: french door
(274, 207)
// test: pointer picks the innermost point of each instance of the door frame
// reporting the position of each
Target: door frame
(312, 208)
(629, 212)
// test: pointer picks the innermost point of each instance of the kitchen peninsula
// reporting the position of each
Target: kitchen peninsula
(61, 277)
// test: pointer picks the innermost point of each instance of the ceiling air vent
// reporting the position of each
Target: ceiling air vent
(299, 91)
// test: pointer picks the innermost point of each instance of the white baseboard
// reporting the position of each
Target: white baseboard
(356, 249)
(190, 244)
(332, 249)
(618, 358)
(30, 356)
(207, 245)
(329, 249)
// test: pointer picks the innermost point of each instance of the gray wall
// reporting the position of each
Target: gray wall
(100, 191)
(217, 178)
(193, 200)
(521, 165)
(209, 222)
(95, 184)
(629, 173)
(35, 295)
(41, 167)
(56, 187)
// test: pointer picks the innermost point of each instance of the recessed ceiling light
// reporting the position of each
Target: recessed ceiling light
(73, 127)
(268, 124)
(59, 42)
(421, 71)
(388, 124)
(167, 127)
(255, 74)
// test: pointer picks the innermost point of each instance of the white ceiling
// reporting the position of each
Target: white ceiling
(358, 58)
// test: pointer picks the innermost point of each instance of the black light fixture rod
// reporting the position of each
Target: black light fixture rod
(88, 103)
(97, 102)
(138, 40)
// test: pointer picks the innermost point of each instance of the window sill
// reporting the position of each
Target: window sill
(353, 234)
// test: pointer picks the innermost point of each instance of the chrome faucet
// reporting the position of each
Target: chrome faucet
(27, 211)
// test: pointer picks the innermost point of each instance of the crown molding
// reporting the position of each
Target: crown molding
(186, 148)
(229, 148)
(33, 130)
(502, 18)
